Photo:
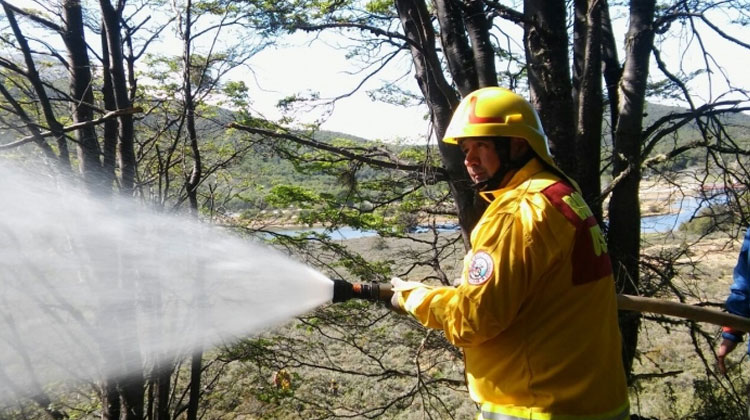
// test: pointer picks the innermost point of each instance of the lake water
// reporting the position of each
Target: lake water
(348, 232)
(687, 208)
(669, 222)
(650, 224)
(341, 233)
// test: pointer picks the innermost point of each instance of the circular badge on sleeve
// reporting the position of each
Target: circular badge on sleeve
(481, 268)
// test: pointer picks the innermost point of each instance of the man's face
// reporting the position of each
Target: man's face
(480, 158)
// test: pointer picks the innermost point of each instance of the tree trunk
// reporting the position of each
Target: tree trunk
(196, 368)
(132, 387)
(80, 87)
(132, 392)
(111, 18)
(109, 159)
(579, 48)
(163, 387)
(549, 77)
(611, 66)
(441, 100)
(110, 401)
(191, 187)
(456, 46)
(590, 107)
(63, 156)
(194, 179)
(624, 207)
(478, 28)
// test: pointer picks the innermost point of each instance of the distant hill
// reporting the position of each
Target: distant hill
(264, 170)
(656, 111)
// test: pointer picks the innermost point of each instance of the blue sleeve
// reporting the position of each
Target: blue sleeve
(738, 302)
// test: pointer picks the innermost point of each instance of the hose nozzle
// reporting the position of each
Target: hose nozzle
(374, 292)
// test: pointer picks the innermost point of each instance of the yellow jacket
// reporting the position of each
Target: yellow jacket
(536, 311)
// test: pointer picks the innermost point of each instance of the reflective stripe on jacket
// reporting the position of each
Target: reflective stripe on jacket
(536, 311)
(490, 411)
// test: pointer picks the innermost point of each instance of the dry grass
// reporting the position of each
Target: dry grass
(668, 360)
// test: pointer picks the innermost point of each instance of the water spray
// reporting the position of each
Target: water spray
(99, 288)
(374, 292)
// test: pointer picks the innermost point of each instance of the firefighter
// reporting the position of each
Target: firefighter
(333, 387)
(536, 310)
(282, 380)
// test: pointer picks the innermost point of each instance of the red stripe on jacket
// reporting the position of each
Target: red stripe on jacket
(587, 266)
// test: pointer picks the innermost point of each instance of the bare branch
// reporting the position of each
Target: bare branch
(436, 175)
(506, 12)
(34, 17)
(368, 28)
(73, 127)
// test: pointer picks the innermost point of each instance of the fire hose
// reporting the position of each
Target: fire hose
(381, 292)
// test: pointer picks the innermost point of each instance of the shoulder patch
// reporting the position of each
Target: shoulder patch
(481, 268)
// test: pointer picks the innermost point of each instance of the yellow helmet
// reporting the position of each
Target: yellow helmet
(498, 112)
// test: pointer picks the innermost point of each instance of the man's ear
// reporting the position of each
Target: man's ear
(518, 147)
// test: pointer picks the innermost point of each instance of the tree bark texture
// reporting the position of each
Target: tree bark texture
(163, 387)
(611, 67)
(456, 46)
(63, 155)
(579, 47)
(196, 369)
(478, 28)
(194, 179)
(111, 18)
(109, 132)
(547, 60)
(441, 100)
(110, 401)
(624, 207)
(590, 110)
(191, 188)
(89, 153)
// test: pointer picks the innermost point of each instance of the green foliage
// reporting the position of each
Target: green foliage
(236, 93)
(379, 6)
(291, 195)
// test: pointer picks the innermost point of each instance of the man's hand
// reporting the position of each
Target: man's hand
(725, 348)
(399, 286)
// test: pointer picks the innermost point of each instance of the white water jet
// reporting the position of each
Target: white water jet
(95, 289)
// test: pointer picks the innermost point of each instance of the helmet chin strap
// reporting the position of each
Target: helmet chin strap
(502, 147)
(493, 182)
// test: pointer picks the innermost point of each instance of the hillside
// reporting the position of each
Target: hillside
(270, 170)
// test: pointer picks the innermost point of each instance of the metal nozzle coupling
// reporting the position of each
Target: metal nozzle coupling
(375, 292)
